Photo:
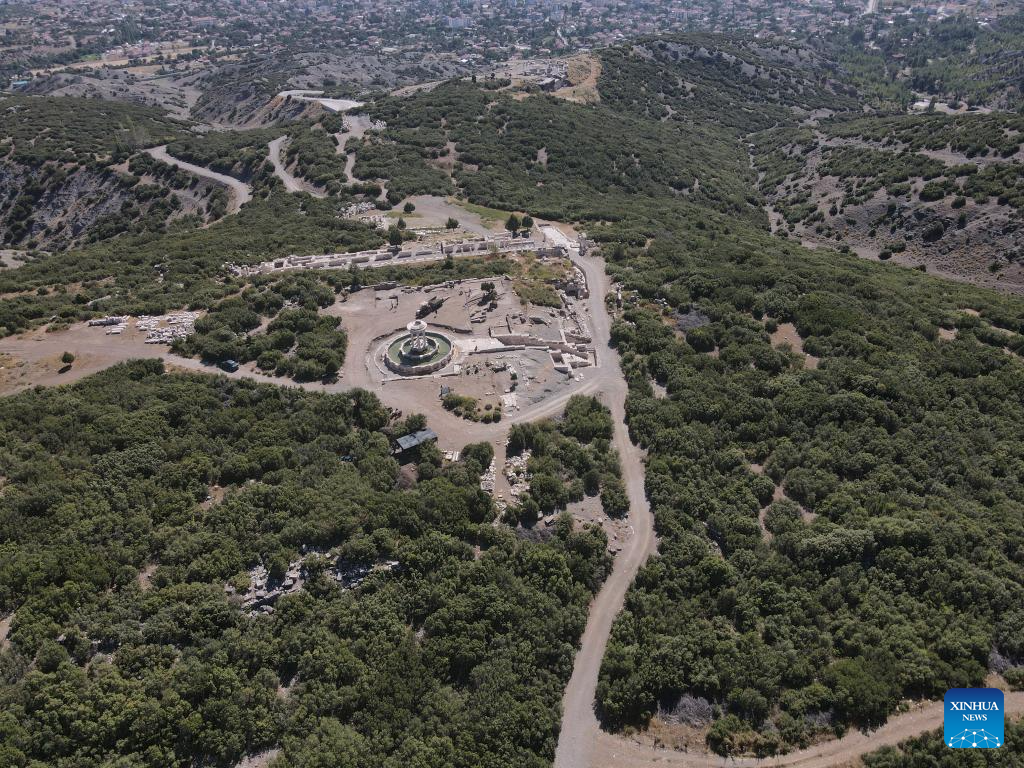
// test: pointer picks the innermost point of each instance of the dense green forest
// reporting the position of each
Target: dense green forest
(126, 648)
(820, 610)
(928, 751)
(898, 460)
(34, 130)
(297, 341)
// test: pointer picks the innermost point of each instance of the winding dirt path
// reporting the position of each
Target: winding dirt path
(610, 750)
(581, 742)
(291, 182)
(241, 193)
(577, 742)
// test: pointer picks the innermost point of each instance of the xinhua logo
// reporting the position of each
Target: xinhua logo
(973, 718)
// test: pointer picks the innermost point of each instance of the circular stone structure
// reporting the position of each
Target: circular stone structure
(418, 351)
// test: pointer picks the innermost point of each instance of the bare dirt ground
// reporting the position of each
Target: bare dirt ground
(260, 760)
(357, 126)
(291, 182)
(583, 73)
(241, 193)
(145, 577)
(434, 211)
(10, 259)
(786, 334)
(5, 629)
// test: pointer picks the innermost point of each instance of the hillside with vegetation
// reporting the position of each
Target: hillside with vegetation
(806, 496)
(134, 509)
(942, 192)
(832, 442)
(65, 179)
(154, 273)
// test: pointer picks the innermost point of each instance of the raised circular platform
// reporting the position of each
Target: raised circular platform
(418, 352)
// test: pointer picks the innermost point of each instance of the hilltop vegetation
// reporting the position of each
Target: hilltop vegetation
(566, 161)
(449, 658)
(804, 512)
(834, 459)
(955, 60)
(36, 130)
(942, 190)
(706, 81)
(150, 274)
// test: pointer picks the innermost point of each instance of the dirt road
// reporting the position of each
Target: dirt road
(291, 183)
(610, 750)
(241, 193)
(582, 743)
(577, 745)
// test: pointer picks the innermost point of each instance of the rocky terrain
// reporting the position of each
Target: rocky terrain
(936, 207)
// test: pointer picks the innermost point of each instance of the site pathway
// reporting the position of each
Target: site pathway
(581, 742)
(291, 182)
(577, 739)
(241, 193)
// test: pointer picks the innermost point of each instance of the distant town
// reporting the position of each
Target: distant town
(38, 39)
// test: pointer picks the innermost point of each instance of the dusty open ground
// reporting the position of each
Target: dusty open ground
(786, 335)
(582, 72)
(10, 259)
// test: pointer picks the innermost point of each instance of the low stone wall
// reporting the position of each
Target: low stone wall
(417, 370)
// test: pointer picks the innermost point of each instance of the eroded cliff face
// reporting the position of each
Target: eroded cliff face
(53, 207)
